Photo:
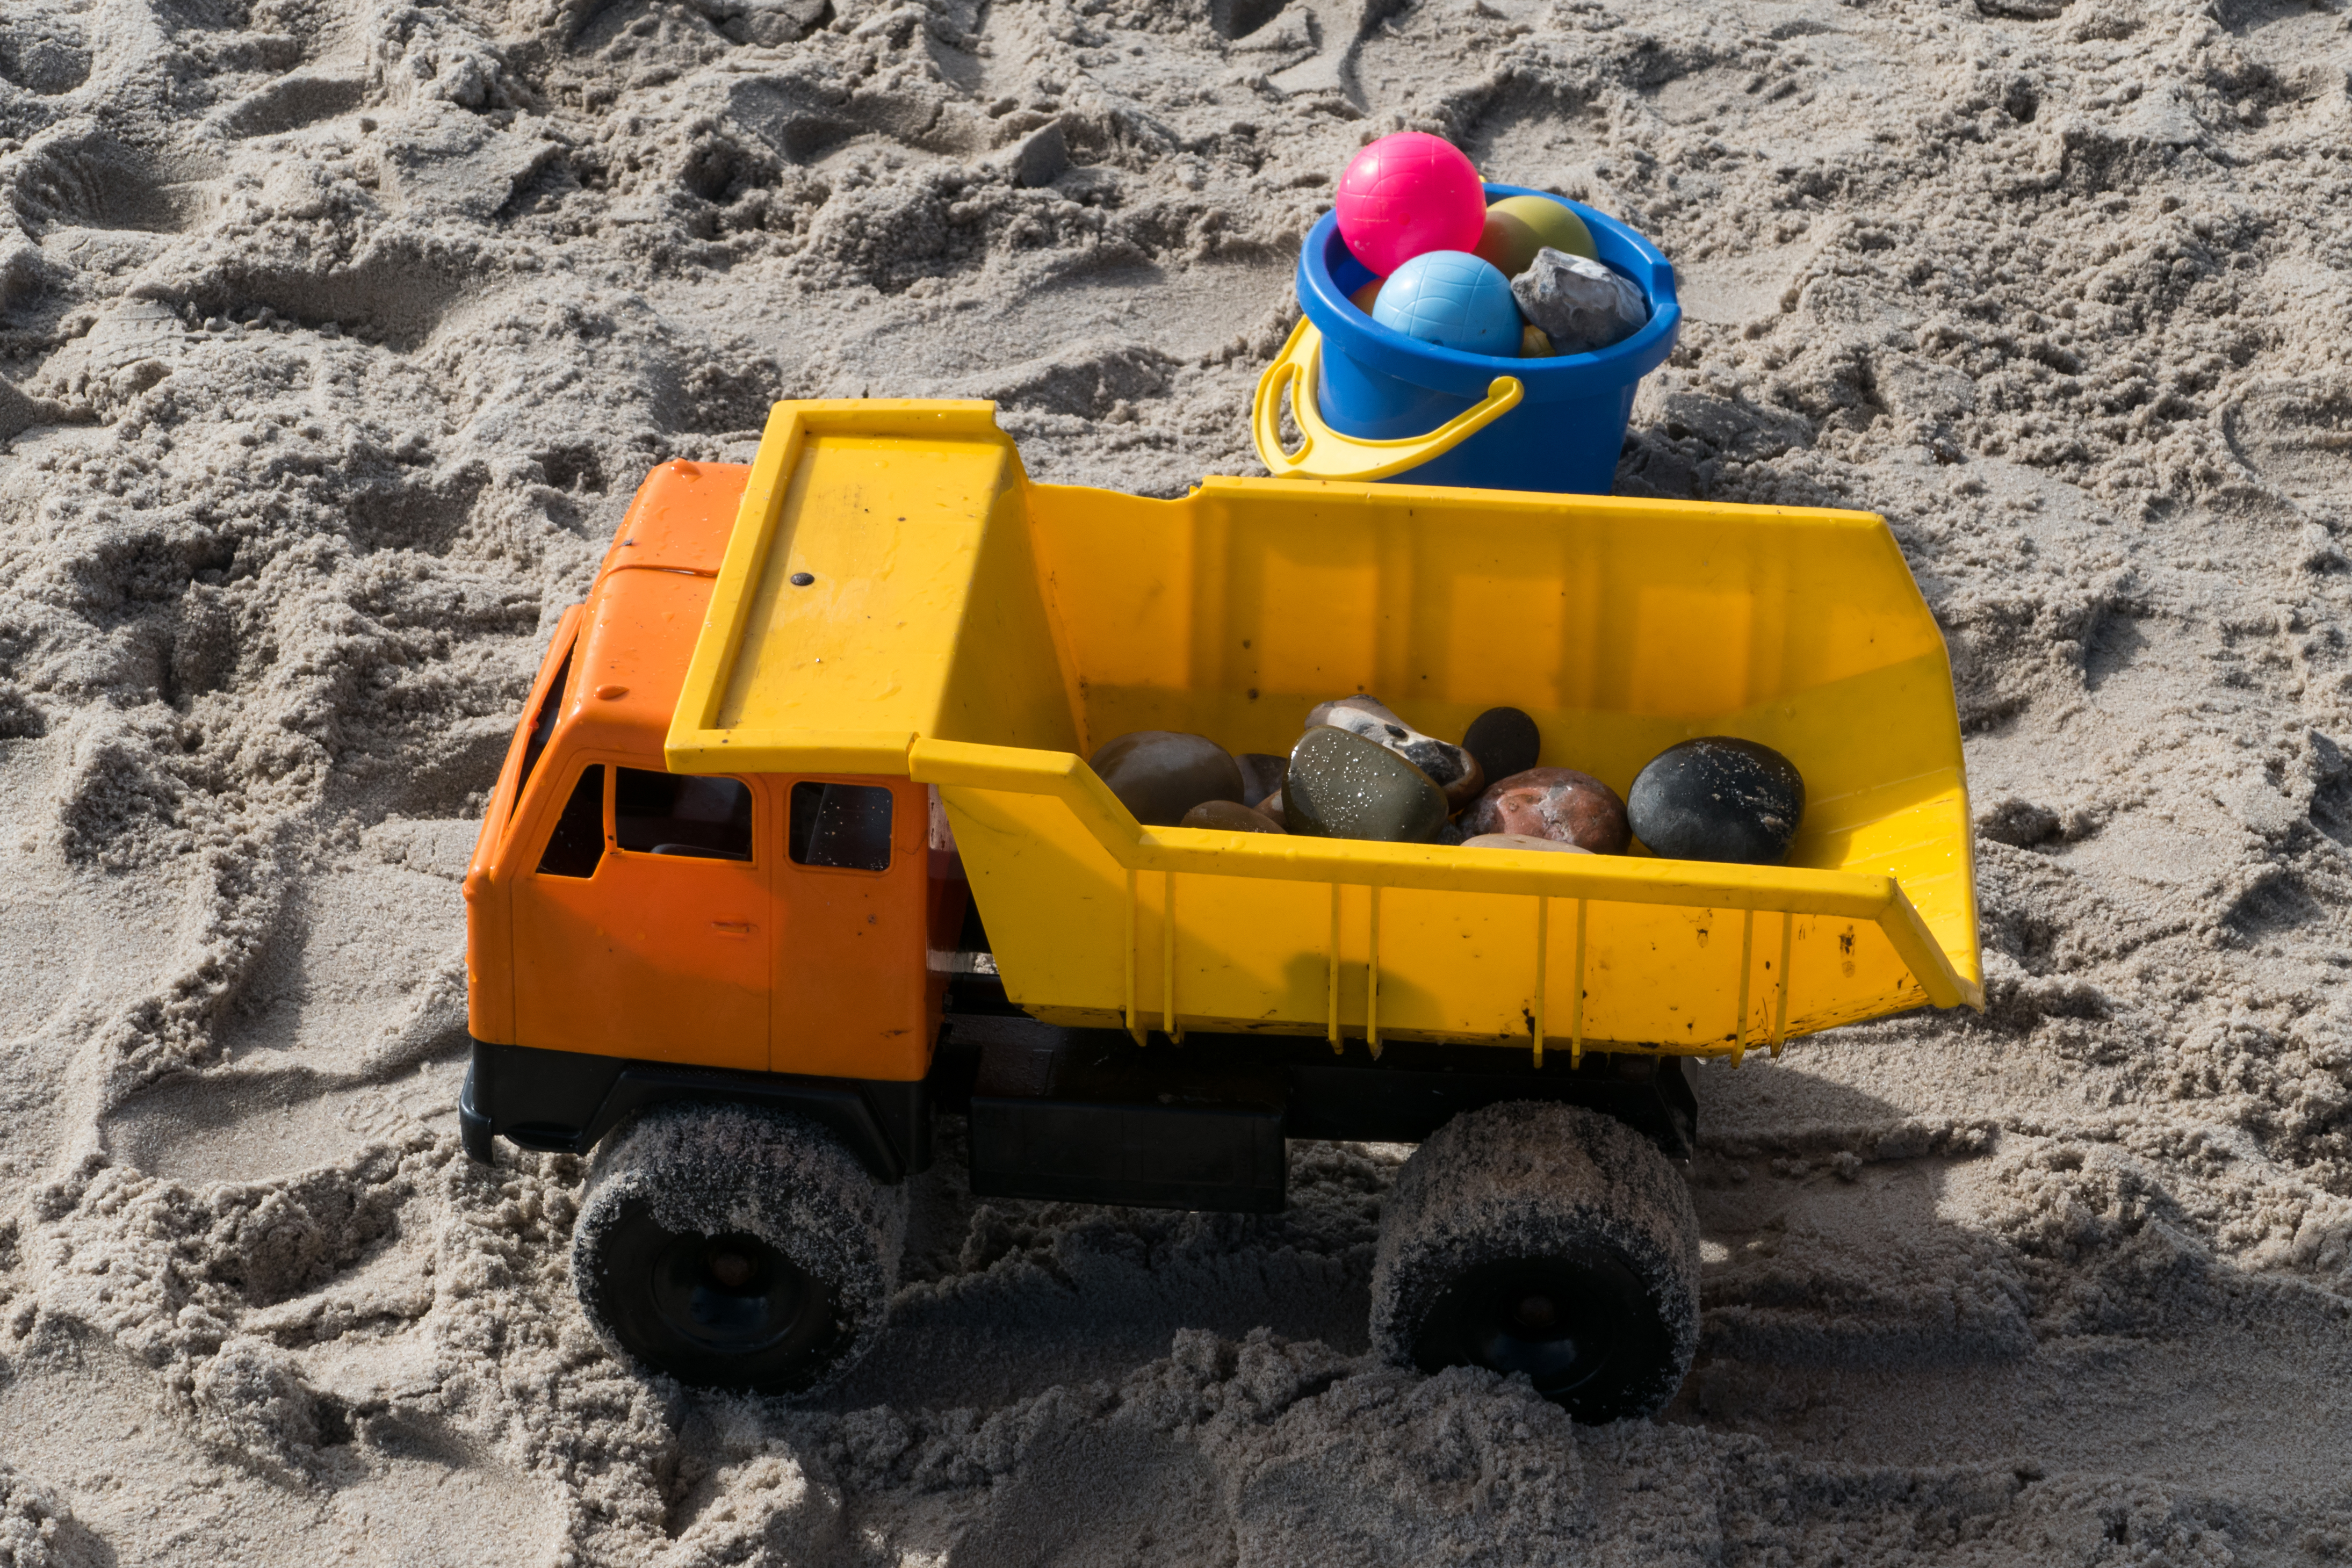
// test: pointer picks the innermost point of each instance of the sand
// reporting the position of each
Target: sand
(334, 335)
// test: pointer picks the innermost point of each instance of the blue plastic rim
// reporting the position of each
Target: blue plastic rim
(1377, 384)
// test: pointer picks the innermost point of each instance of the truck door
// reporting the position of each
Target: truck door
(854, 997)
(643, 930)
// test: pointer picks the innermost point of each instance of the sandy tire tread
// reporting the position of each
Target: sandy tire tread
(733, 1169)
(1527, 1180)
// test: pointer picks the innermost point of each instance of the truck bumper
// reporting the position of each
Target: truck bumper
(565, 1101)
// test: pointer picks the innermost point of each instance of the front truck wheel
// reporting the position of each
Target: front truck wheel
(1544, 1240)
(736, 1248)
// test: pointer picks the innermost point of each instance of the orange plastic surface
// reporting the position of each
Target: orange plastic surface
(764, 965)
(853, 998)
(661, 957)
(489, 943)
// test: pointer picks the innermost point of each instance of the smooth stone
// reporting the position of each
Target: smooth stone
(1505, 741)
(1522, 841)
(1160, 774)
(1450, 768)
(1556, 804)
(1719, 798)
(1261, 773)
(1271, 810)
(1580, 303)
(1341, 785)
(1230, 817)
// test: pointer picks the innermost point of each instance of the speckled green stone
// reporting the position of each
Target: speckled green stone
(1341, 785)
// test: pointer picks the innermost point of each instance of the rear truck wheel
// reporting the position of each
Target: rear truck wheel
(1544, 1239)
(736, 1248)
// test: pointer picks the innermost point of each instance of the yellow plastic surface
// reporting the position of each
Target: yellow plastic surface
(981, 633)
(922, 614)
(1325, 453)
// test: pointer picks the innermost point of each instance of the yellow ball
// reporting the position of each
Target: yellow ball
(1519, 226)
(1363, 298)
(1533, 343)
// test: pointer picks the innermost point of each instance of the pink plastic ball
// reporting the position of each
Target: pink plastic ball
(1408, 194)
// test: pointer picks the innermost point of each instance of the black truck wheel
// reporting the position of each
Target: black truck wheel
(1544, 1240)
(736, 1248)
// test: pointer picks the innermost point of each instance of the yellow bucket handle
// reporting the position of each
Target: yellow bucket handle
(1323, 452)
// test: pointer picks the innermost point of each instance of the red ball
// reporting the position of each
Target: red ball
(1408, 194)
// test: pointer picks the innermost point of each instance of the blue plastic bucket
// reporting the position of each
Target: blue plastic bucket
(1566, 429)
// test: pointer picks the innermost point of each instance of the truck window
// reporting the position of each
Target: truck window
(578, 841)
(844, 825)
(681, 814)
(542, 725)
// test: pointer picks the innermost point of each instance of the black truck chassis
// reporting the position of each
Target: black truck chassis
(1087, 1115)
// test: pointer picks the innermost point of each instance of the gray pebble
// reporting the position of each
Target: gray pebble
(1581, 305)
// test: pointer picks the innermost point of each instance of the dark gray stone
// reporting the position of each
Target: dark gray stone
(1580, 303)
(1719, 798)
(1449, 767)
(1160, 774)
(1505, 741)
(1261, 774)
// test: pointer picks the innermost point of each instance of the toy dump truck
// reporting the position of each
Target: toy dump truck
(794, 853)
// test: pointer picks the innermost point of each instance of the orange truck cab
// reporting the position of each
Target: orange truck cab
(630, 931)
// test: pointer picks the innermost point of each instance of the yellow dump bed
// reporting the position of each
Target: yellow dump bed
(899, 599)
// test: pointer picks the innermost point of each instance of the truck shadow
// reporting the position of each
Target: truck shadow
(1884, 1288)
(1852, 1251)
(1004, 1297)
(1838, 1231)
(1837, 1226)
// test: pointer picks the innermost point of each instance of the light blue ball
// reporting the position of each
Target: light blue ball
(1452, 298)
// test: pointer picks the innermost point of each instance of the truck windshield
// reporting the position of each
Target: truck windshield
(542, 724)
(577, 842)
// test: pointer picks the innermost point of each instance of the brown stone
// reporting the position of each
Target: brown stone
(1557, 803)
(1229, 817)
(1523, 842)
